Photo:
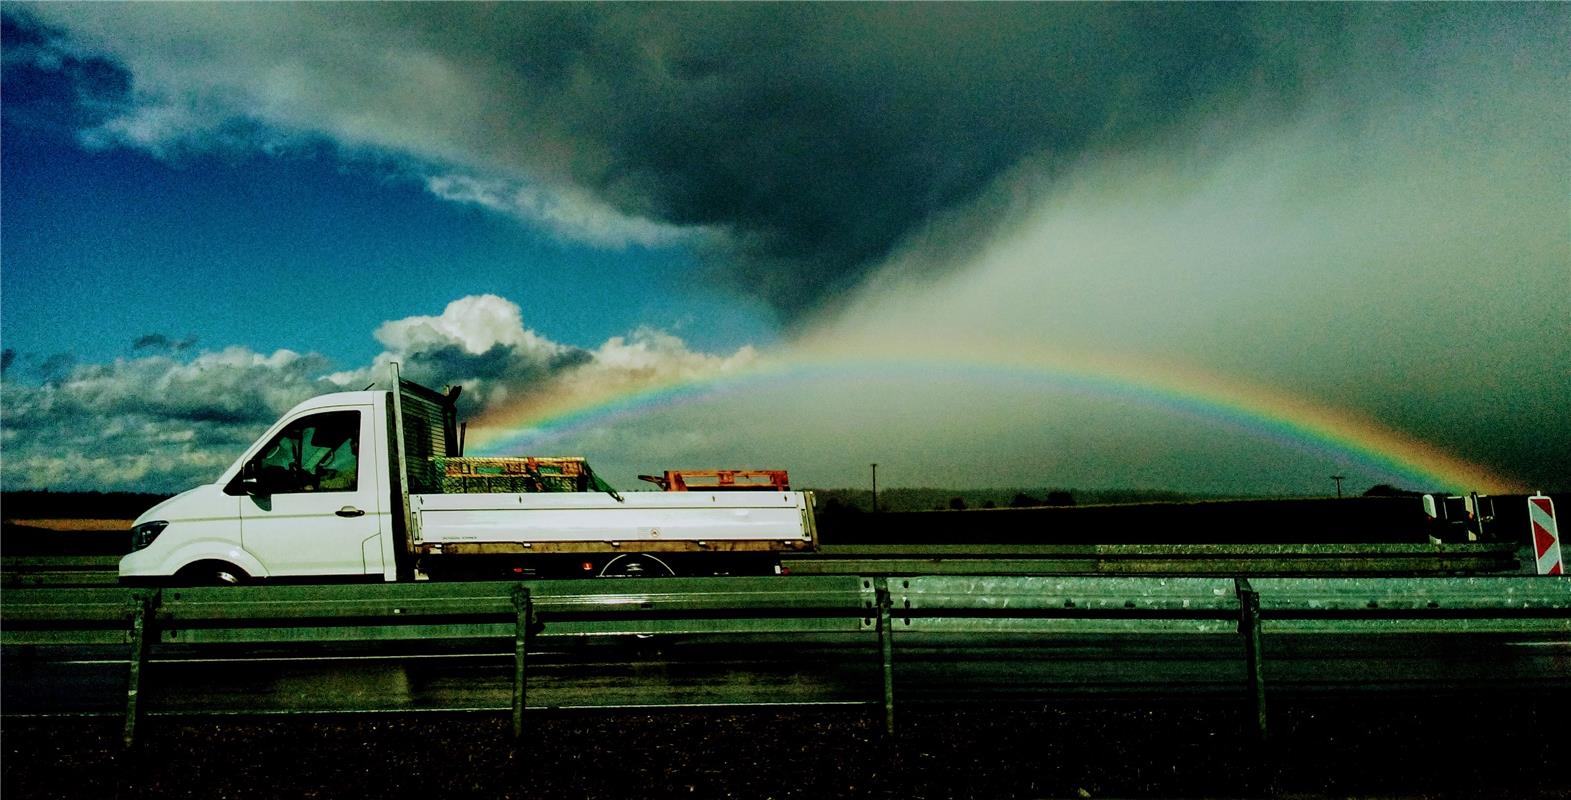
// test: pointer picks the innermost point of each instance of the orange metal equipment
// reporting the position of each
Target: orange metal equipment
(721, 480)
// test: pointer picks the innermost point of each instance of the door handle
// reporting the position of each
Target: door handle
(349, 511)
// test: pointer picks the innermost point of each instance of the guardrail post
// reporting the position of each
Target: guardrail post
(1249, 627)
(141, 613)
(887, 646)
(525, 609)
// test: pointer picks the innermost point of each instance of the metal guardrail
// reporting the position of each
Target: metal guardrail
(18, 572)
(1222, 560)
(802, 639)
(1491, 558)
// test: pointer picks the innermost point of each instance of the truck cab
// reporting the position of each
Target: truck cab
(308, 498)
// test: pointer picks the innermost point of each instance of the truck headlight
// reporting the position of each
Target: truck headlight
(144, 534)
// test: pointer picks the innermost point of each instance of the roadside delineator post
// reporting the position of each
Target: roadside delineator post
(1546, 534)
(1432, 518)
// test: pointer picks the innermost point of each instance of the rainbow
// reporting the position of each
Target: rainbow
(1258, 412)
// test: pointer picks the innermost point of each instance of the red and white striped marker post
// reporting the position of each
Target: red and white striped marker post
(1546, 535)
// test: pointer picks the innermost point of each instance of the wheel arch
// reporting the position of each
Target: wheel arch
(204, 552)
(623, 558)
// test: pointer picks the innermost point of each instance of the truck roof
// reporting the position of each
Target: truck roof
(335, 399)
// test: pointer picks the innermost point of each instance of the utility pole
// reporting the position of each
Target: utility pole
(1338, 479)
(875, 487)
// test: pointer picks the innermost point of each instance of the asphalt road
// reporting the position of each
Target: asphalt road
(1431, 746)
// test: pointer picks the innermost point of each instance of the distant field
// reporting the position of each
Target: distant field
(74, 524)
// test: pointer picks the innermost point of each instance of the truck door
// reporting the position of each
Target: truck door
(317, 511)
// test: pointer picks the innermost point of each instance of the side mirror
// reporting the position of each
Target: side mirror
(249, 481)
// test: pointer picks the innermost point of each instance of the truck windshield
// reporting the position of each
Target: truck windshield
(319, 453)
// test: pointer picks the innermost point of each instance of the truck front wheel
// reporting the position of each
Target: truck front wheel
(211, 573)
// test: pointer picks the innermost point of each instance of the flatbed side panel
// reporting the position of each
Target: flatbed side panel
(541, 548)
(648, 517)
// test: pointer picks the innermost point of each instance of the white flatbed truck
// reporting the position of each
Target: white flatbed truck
(349, 486)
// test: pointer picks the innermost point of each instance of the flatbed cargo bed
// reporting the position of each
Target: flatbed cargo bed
(601, 522)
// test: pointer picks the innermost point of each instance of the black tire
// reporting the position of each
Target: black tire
(636, 565)
(212, 573)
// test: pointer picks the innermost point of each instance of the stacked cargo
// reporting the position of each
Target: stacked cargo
(721, 480)
(510, 474)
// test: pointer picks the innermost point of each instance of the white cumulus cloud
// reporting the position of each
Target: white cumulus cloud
(167, 421)
(476, 323)
(570, 213)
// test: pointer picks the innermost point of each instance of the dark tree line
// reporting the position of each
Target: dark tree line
(44, 504)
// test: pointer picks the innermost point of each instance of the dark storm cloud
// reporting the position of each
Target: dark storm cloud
(818, 136)
(810, 138)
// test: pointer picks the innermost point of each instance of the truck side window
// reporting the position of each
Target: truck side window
(319, 453)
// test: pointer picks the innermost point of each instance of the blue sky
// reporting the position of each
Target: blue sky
(211, 211)
(115, 243)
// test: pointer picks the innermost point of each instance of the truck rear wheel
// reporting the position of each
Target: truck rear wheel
(636, 565)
